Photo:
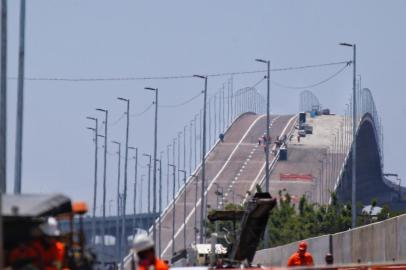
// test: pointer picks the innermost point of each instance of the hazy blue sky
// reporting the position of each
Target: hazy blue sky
(98, 38)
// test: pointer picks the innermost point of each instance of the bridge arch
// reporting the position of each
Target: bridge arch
(371, 183)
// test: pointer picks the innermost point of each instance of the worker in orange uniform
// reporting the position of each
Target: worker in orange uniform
(301, 257)
(144, 248)
(23, 256)
(51, 250)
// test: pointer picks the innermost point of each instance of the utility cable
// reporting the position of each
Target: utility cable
(173, 77)
(182, 103)
(315, 84)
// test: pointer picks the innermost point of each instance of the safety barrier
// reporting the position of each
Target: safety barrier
(383, 241)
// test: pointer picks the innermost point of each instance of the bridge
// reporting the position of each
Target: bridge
(316, 164)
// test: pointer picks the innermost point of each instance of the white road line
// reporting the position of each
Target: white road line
(213, 180)
(263, 166)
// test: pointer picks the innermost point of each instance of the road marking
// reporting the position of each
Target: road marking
(212, 182)
(263, 166)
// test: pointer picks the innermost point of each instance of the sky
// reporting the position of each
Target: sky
(99, 39)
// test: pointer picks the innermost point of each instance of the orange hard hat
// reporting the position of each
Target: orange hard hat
(302, 245)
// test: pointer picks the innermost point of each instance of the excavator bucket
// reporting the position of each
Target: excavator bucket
(253, 224)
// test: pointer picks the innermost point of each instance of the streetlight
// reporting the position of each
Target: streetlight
(95, 130)
(155, 157)
(268, 63)
(160, 201)
(20, 102)
(142, 185)
(184, 208)
(123, 233)
(354, 144)
(149, 181)
(203, 158)
(196, 183)
(118, 249)
(106, 112)
(135, 184)
(173, 208)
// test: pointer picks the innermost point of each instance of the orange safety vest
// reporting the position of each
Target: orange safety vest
(297, 260)
(23, 254)
(52, 256)
(158, 265)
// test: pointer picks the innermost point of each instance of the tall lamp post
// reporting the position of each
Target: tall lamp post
(106, 113)
(268, 64)
(135, 185)
(155, 158)
(354, 131)
(173, 208)
(118, 249)
(196, 194)
(203, 204)
(149, 181)
(20, 102)
(95, 130)
(123, 228)
(184, 208)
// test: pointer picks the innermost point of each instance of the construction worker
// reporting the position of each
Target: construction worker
(23, 256)
(221, 137)
(301, 257)
(51, 250)
(143, 247)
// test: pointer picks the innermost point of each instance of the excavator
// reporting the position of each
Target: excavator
(243, 242)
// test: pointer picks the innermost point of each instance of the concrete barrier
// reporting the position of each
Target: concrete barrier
(279, 256)
(379, 242)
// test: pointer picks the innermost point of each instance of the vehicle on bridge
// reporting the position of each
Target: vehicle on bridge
(29, 221)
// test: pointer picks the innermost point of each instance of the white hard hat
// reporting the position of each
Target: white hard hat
(50, 227)
(142, 242)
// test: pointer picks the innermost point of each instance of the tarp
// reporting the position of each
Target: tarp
(35, 205)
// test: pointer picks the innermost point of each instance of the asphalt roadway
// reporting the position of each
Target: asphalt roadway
(234, 165)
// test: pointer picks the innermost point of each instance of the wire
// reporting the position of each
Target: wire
(142, 112)
(315, 84)
(174, 77)
(182, 103)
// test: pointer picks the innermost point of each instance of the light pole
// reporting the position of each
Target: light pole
(354, 126)
(142, 191)
(184, 208)
(167, 172)
(173, 208)
(20, 102)
(155, 158)
(178, 162)
(149, 181)
(160, 202)
(268, 64)
(118, 249)
(196, 194)
(203, 158)
(95, 130)
(135, 185)
(106, 113)
(123, 229)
